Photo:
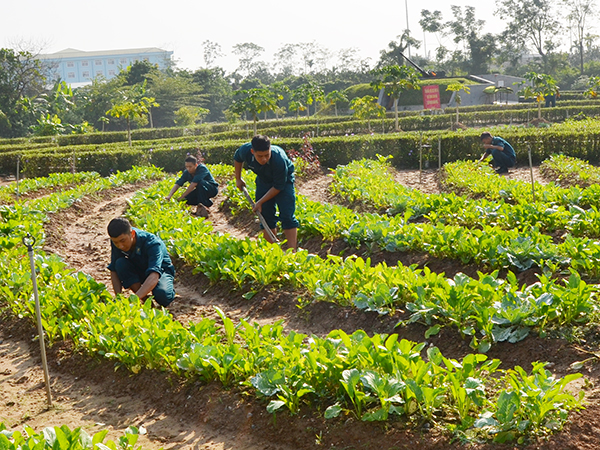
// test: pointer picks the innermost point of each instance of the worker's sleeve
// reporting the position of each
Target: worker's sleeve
(155, 257)
(115, 254)
(279, 172)
(206, 181)
(241, 153)
(184, 177)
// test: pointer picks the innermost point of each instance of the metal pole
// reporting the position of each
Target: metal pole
(531, 171)
(29, 242)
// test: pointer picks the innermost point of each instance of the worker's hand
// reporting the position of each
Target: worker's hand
(257, 207)
(241, 184)
(167, 198)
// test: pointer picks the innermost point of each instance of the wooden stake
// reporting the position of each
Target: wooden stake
(531, 171)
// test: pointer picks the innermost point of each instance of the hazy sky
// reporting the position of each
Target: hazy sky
(181, 26)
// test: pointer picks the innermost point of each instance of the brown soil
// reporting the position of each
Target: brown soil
(180, 414)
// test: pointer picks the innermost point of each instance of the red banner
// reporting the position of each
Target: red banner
(431, 97)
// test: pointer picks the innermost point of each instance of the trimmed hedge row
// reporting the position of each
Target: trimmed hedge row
(329, 125)
(580, 141)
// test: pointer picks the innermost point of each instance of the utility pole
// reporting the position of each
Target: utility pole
(407, 27)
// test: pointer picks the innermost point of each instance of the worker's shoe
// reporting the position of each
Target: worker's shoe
(501, 170)
(201, 211)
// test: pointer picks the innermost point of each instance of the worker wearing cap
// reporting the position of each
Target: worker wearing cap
(274, 185)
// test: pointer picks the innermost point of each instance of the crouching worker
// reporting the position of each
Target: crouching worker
(503, 154)
(274, 185)
(139, 261)
(202, 186)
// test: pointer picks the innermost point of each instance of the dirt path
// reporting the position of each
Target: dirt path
(93, 396)
(177, 415)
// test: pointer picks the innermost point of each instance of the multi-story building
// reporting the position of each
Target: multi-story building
(77, 67)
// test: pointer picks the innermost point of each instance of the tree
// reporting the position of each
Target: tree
(395, 80)
(189, 115)
(59, 100)
(593, 86)
(21, 80)
(540, 85)
(132, 108)
(367, 108)
(477, 49)
(335, 97)
(308, 93)
(172, 93)
(457, 87)
(533, 22)
(481, 49)
(431, 22)
(211, 51)
(248, 52)
(314, 56)
(92, 101)
(216, 88)
(138, 72)
(285, 59)
(279, 88)
(393, 56)
(579, 12)
(255, 101)
(296, 106)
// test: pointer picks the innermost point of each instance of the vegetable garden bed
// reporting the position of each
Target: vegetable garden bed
(279, 385)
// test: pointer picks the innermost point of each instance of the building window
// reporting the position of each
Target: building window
(84, 64)
(99, 74)
(86, 74)
(71, 64)
(98, 62)
(123, 61)
(111, 62)
(71, 75)
(111, 72)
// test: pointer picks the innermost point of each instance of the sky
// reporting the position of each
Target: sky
(181, 26)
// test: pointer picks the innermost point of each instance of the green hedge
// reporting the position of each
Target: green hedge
(328, 125)
(577, 139)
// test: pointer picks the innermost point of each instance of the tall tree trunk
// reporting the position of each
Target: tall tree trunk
(396, 114)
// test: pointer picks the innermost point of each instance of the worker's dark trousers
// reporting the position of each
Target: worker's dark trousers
(502, 160)
(201, 195)
(163, 292)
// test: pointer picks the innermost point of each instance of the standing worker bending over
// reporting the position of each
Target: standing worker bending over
(274, 185)
(201, 189)
(139, 261)
(503, 154)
